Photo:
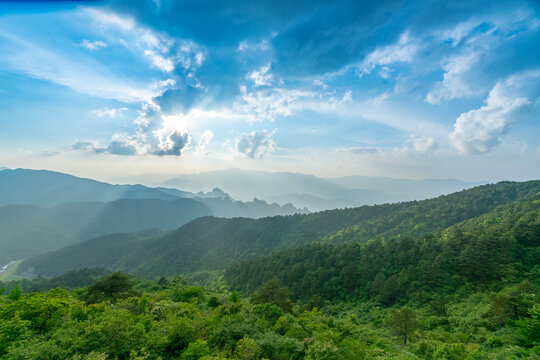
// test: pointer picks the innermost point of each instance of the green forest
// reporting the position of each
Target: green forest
(455, 277)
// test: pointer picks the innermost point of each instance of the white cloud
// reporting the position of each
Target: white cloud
(107, 19)
(402, 51)
(425, 144)
(261, 77)
(455, 83)
(204, 140)
(38, 62)
(478, 131)
(164, 52)
(474, 41)
(246, 45)
(378, 100)
(255, 145)
(267, 104)
(156, 134)
(112, 112)
(93, 45)
(160, 61)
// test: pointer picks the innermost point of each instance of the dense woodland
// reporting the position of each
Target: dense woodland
(456, 277)
(496, 248)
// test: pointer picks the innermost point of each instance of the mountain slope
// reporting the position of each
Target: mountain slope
(500, 246)
(49, 188)
(29, 230)
(210, 243)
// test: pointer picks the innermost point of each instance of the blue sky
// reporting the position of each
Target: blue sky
(398, 88)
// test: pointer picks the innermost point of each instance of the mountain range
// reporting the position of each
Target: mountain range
(210, 243)
(314, 193)
(45, 210)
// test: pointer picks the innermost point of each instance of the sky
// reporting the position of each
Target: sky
(408, 89)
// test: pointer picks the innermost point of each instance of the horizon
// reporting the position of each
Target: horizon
(173, 176)
(111, 89)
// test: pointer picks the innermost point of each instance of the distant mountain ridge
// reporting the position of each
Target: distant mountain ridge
(209, 243)
(414, 189)
(314, 193)
(44, 210)
(50, 188)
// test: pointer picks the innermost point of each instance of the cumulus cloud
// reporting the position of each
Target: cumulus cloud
(156, 134)
(455, 83)
(473, 45)
(92, 45)
(477, 131)
(175, 143)
(255, 145)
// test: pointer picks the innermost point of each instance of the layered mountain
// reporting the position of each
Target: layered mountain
(50, 188)
(29, 230)
(316, 194)
(209, 243)
(45, 210)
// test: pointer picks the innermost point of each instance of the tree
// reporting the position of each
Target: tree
(247, 349)
(273, 291)
(15, 294)
(112, 287)
(402, 322)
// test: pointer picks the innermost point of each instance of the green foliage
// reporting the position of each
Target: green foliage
(13, 331)
(529, 327)
(247, 349)
(323, 351)
(111, 288)
(196, 350)
(483, 250)
(152, 326)
(235, 297)
(272, 291)
(402, 323)
(15, 294)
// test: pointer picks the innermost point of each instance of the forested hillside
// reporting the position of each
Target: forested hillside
(500, 247)
(29, 230)
(211, 243)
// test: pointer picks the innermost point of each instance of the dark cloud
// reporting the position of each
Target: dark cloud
(176, 142)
